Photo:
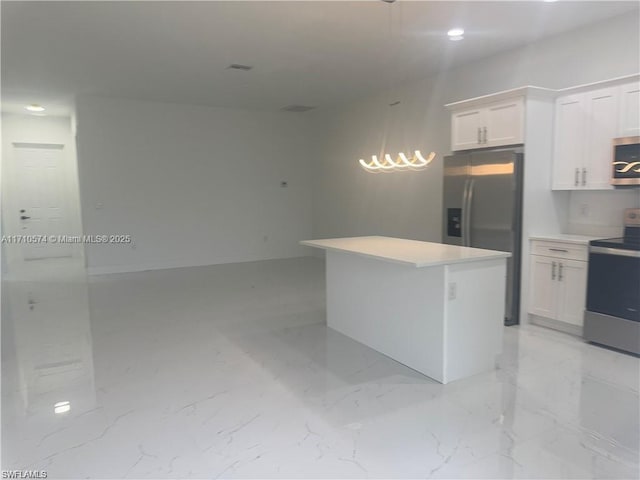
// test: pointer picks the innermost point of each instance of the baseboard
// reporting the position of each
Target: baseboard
(556, 325)
(134, 268)
(107, 270)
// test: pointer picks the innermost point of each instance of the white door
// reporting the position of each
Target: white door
(542, 286)
(569, 141)
(629, 117)
(602, 108)
(572, 281)
(466, 129)
(40, 190)
(504, 123)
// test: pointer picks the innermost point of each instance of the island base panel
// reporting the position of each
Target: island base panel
(404, 312)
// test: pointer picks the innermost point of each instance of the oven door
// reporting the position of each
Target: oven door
(614, 282)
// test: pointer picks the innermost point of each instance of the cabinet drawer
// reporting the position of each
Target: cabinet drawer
(568, 251)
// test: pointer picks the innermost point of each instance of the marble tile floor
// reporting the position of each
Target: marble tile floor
(230, 372)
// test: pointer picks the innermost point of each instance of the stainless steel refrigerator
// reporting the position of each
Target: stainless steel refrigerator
(482, 201)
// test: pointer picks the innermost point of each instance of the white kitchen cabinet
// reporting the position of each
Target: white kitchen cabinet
(494, 124)
(542, 292)
(572, 292)
(569, 135)
(466, 130)
(586, 124)
(629, 110)
(558, 281)
(504, 122)
(602, 128)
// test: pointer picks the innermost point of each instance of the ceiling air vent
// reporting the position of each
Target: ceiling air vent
(239, 66)
(297, 108)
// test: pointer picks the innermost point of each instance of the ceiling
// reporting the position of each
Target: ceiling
(319, 53)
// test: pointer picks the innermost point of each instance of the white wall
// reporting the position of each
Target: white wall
(350, 201)
(192, 185)
(38, 129)
(599, 213)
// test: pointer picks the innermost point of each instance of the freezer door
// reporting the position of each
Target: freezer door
(495, 214)
(454, 196)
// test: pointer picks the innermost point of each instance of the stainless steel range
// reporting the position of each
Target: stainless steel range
(612, 317)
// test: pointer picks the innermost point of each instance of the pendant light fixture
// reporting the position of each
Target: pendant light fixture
(384, 162)
(417, 162)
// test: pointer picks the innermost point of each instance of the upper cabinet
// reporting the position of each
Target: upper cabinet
(504, 123)
(585, 125)
(570, 130)
(629, 108)
(494, 124)
(466, 129)
(602, 128)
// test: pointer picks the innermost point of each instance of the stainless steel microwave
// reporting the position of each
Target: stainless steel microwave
(625, 168)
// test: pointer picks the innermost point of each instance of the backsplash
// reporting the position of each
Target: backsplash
(599, 213)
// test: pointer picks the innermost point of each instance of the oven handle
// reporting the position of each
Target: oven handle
(615, 251)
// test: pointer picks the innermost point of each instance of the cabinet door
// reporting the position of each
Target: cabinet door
(569, 142)
(504, 123)
(602, 128)
(572, 288)
(466, 129)
(542, 286)
(629, 110)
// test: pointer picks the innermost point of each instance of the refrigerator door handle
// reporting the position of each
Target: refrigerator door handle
(468, 209)
(465, 212)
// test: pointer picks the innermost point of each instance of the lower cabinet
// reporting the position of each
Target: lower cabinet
(558, 282)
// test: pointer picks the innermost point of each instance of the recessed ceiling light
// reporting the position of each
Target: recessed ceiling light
(34, 107)
(62, 407)
(456, 34)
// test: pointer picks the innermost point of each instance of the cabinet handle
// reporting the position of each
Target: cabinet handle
(553, 270)
(479, 135)
(559, 250)
(577, 179)
(560, 266)
(484, 130)
(584, 177)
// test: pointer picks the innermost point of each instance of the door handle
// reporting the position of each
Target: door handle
(469, 201)
(465, 212)
(584, 177)
(479, 135)
(24, 217)
(553, 270)
(484, 131)
(560, 271)
(577, 179)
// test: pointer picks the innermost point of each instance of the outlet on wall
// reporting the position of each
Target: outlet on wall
(584, 209)
(453, 290)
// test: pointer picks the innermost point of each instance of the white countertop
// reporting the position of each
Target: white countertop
(566, 238)
(408, 252)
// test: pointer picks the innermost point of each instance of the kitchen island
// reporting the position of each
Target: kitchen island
(438, 309)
